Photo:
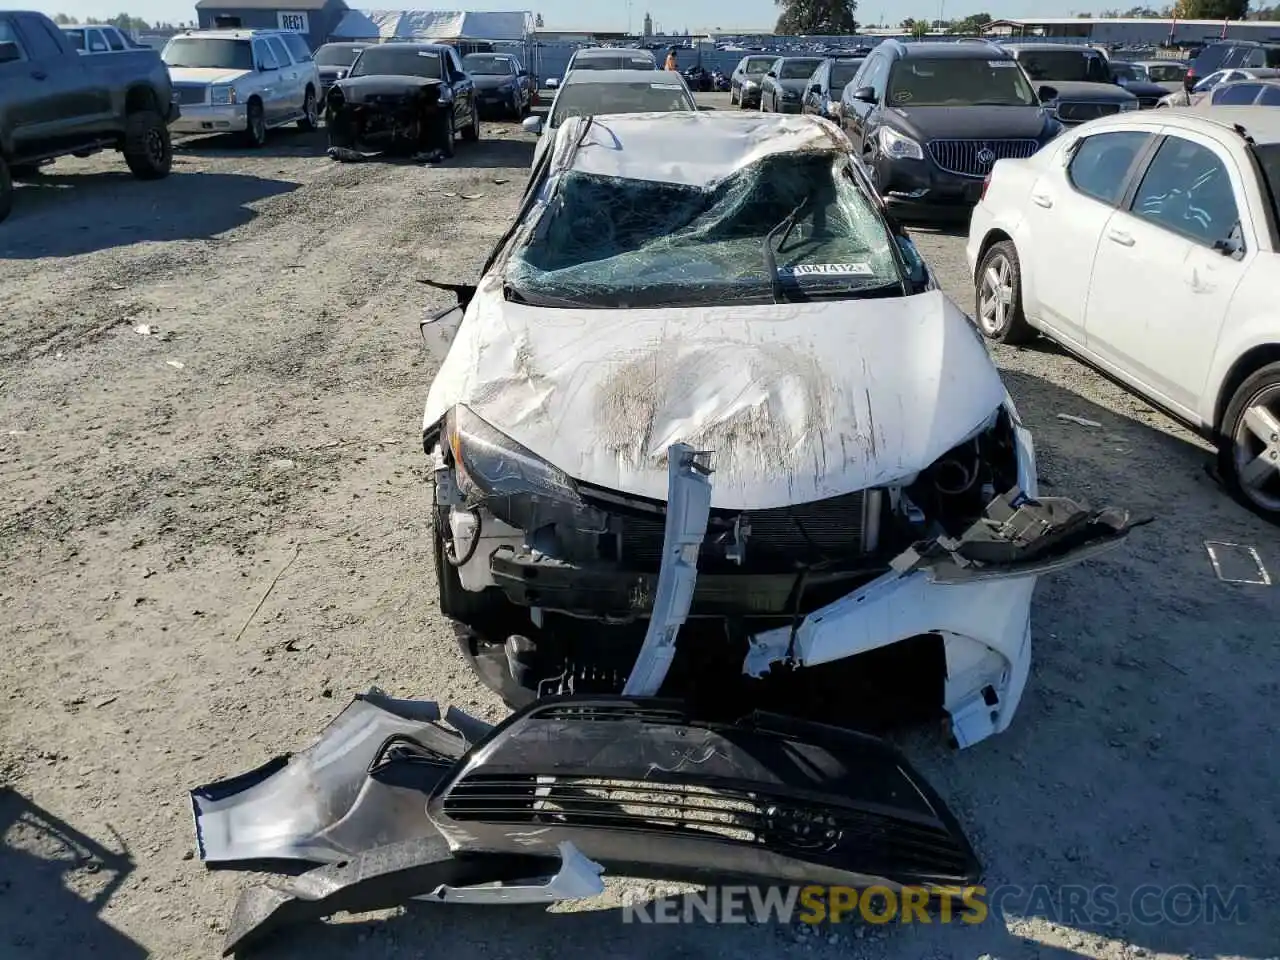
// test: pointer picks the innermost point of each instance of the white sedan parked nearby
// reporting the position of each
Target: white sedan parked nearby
(1147, 245)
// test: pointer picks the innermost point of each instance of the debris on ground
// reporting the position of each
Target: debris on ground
(1083, 421)
(1237, 563)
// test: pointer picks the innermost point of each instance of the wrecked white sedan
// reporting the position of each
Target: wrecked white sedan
(707, 426)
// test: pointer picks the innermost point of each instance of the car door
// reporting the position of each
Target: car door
(32, 99)
(269, 80)
(1066, 211)
(76, 100)
(858, 113)
(463, 89)
(293, 81)
(812, 102)
(1169, 263)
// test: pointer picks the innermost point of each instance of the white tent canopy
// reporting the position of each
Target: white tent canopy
(432, 25)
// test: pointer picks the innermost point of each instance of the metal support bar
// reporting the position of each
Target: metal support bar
(688, 510)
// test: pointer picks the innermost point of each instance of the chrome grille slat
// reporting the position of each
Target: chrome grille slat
(962, 157)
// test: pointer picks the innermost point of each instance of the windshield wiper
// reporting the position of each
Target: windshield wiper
(770, 259)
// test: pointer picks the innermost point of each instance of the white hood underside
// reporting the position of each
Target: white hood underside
(797, 402)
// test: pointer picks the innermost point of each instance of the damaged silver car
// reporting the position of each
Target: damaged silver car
(707, 426)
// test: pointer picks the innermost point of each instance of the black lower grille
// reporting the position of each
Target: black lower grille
(758, 818)
(1072, 111)
(975, 158)
(1147, 103)
(779, 540)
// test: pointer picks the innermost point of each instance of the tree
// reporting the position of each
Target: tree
(920, 29)
(907, 24)
(806, 17)
(971, 26)
(62, 18)
(1211, 9)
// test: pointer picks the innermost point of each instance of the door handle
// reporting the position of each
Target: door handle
(1042, 200)
(1118, 236)
(39, 75)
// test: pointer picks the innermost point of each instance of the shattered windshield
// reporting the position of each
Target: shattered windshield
(589, 99)
(391, 61)
(798, 69)
(487, 65)
(959, 82)
(609, 242)
(209, 54)
(1067, 65)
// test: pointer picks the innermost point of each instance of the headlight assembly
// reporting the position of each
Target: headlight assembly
(222, 94)
(899, 147)
(516, 485)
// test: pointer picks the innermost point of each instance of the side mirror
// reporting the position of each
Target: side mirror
(1047, 93)
(815, 88)
(1232, 246)
(865, 94)
(264, 68)
(9, 52)
(772, 73)
(532, 125)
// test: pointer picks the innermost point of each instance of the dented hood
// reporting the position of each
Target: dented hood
(797, 402)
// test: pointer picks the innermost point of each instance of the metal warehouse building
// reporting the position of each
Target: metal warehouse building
(1122, 30)
(314, 19)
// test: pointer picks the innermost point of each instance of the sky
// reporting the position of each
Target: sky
(669, 15)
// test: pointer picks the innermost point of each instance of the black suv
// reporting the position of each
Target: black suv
(1231, 55)
(931, 119)
(1087, 87)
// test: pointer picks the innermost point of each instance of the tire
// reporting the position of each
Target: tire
(310, 113)
(148, 149)
(6, 190)
(446, 132)
(733, 97)
(255, 132)
(998, 284)
(471, 132)
(1249, 443)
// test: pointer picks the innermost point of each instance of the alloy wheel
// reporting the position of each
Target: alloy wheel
(996, 294)
(1256, 449)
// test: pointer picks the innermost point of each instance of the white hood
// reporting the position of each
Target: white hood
(206, 75)
(797, 402)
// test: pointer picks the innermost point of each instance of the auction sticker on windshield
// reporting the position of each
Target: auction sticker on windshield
(827, 270)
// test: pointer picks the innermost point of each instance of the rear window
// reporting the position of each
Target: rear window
(589, 99)
(842, 72)
(1166, 73)
(1221, 56)
(1068, 65)
(798, 69)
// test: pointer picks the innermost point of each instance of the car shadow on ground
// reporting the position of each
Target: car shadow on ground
(54, 882)
(284, 142)
(957, 226)
(493, 152)
(65, 215)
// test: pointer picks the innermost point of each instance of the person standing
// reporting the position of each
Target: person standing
(671, 60)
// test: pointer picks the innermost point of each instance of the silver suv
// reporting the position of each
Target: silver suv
(243, 81)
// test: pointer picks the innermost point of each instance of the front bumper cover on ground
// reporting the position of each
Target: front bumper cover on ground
(571, 786)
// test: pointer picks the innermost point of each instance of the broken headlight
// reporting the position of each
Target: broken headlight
(513, 483)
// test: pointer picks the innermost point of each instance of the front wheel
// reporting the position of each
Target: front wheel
(147, 148)
(733, 97)
(998, 291)
(1249, 443)
(446, 131)
(255, 133)
(6, 190)
(471, 132)
(310, 113)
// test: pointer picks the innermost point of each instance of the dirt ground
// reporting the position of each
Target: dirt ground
(215, 533)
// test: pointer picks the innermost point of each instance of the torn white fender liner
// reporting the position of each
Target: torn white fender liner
(974, 590)
(688, 510)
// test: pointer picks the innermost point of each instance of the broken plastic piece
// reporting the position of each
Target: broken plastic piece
(473, 730)
(577, 879)
(361, 784)
(1236, 563)
(379, 879)
(688, 511)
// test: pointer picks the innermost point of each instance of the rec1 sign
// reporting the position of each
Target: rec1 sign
(297, 22)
